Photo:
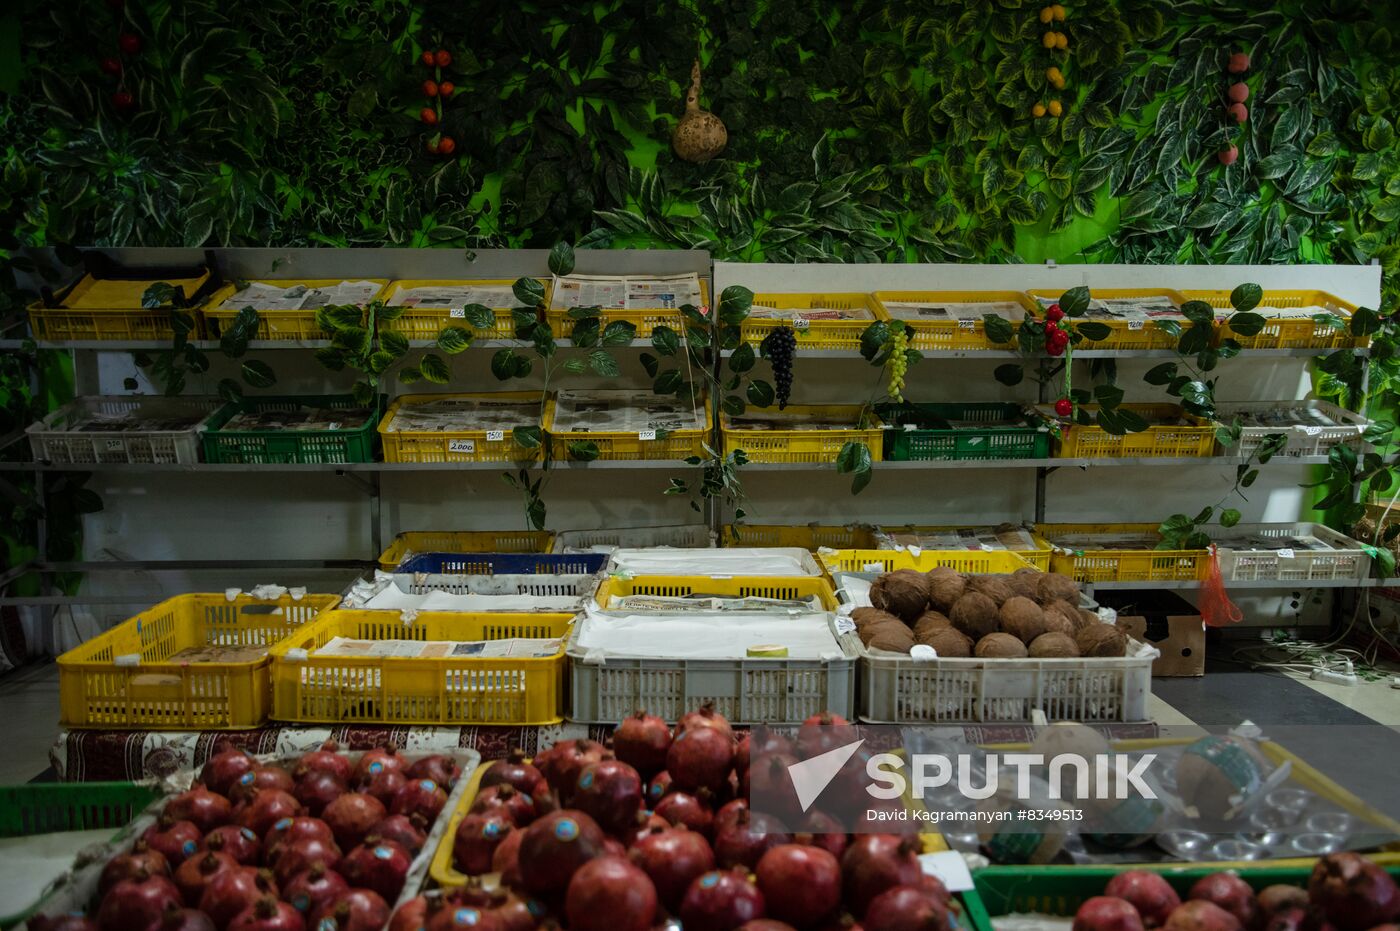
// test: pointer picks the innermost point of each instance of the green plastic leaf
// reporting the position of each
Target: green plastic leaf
(529, 437)
(665, 340)
(734, 304)
(230, 390)
(742, 358)
(379, 362)
(454, 339)
(1093, 330)
(650, 363)
(434, 369)
(668, 382)
(578, 367)
(733, 405)
(393, 342)
(258, 374)
(330, 358)
(1246, 323)
(1075, 301)
(760, 393)
(998, 328)
(585, 334)
(1246, 296)
(502, 364)
(602, 362)
(561, 259)
(1010, 374)
(619, 333)
(1198, 312)
(410, 375)
(528, 291)
(1160, 374)
(1229, 517)
(583, 451)
(480, 316)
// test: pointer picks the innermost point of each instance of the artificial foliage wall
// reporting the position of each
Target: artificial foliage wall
(898, 130)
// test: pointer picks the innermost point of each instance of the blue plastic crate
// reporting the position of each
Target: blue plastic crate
(504, 563)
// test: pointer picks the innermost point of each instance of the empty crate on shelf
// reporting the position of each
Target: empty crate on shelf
(130, 428)
(196, 662)
(1131, 315)
(945, 320)
(961, 431)
(306, 429)
(286, 307)
(1312, 427)
(411, 542)
(645, 301)
(108, 308)
(623, 424)
(1302, 552)
(1172, 433)
(1293, 319)
(430, 305)
(807, 536)
(460, 427)
(1119, 553)
(803, 432)
(819, 321)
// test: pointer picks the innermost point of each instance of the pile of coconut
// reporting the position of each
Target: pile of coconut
(1026, 613)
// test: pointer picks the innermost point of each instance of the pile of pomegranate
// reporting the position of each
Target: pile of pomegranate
(321, 844)
(620, 838)
(1346, 892)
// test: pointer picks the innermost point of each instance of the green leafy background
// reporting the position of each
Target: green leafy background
(891, 131)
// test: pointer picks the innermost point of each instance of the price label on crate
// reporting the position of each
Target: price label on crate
(1135, 324)
(461, 446)
(458, 313)
(800, 323)
(1287, 553)
(495, 436)
(646, 434)
(967, 324)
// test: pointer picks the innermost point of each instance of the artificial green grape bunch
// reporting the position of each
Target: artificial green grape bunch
(780, 346)
(899, 362)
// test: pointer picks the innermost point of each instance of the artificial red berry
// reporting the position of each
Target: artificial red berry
(1053, 313)
(111, 66)
(447, 146)
(1054, 349)
(428, 115)
(430, 89)
(129, 44)
(427, 58)
(1064, 407)
(443, 58)
(432, 145)
(445, 89)
(123, 100)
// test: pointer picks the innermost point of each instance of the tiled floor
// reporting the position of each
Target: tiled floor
(29, 699)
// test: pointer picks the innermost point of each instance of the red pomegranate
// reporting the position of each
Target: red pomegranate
(206, 810)
(642, 826)
(290, 830)
(766, 924)
(176, 840)
(183, 919)
(324, 760)
(1151, 895)
(422, 797)
(353, 910)
(505, 859)
(907, 908)
(478, 836)
(729, 812)
(141, 860)
(876, 862)
(1297, 918)
(705, 716)
(771, 788)
(265, 809)
(413, 915)
(1104, 913)
(137, 903)
(673, 858)
(259, 778)
(801, 885)
(1272, 899)
(554, 847)
(823, 732)
(659, 787)
(464, 918)
(721, 900)
(689, 810)
(297, 855)
(1353, 892)
(545, 800)
(611, 792)
(819, 829)
(312, 888)
(377, 761)
(505, 798)
(317, 789)
(384, 785)
(409, 832)
(380, 867)
(610, 894)
(1234, 895)
(268, 914)
(513, 771)
(238, 842)
(701, 757)
(232, 891)
(70, 922)
(746, 840)
(224, 769)
(440, 769)
(1200, 915)
(641, 741)
(352, 816)
(517, 914)
(194, 874)
(568, 762)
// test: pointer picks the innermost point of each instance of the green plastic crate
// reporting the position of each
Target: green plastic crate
(917, 432)
(294, 446)
(1060, 890)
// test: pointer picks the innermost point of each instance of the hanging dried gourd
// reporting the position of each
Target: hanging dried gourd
(700, 135)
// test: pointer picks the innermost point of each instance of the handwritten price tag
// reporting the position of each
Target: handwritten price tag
(1135, 324)
(967, 324)
(458, 313)
(461, 446)
(1286, 553)
(646, 434)
(495, 436)
(799, 322)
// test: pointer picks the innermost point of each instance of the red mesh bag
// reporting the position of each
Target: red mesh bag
(1216, 608)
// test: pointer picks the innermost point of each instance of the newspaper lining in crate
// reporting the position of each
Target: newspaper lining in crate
(623, 411)
(809, 315)
(953, 311)
(431, 591)
(721, 563)
(1304, 552)
(627, 292)
(1124, 309)
(265, 295)
(454, 297)
(606, 541)
(1311, 426)
(459, 427)
(1007, 537)
(133, 428)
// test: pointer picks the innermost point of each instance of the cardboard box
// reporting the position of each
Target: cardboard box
(1168, 622)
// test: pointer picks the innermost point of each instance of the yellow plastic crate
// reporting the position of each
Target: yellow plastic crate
(812, 334)
(616, 444)
(420, 690)
(290, 325)
(464, 541)
(442, 869)
(427, 322)
(110, 308)
(1038, 557)
(1287, 334)
(100, 687)
(986, 562)
(785, 588)
(645, 320)
(1120, 565)
(1194, 439)
(1125, 334)
(952, 334)
(456, 445)
(807, 536)
(806, 445)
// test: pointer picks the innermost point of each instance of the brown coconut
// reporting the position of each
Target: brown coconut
(995, 587)
(1101, 640)
(864, 617)
(947, 642)
(870, 631)
(1022, 618)
(930, 621)
(1087, 617)
(1052, 585)
(1053, 646)
(903, 593)
(1066, 613)
(1000, 646)
(945, 586)
(1026, 583)
(975, 615)
(896, 638)
(1058, 623)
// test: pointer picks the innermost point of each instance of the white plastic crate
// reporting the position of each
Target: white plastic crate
(57, 438)
(1303, 440)
(578, 541)
(540, 586)
(1347, 559)
(746, 691)
(720, 563)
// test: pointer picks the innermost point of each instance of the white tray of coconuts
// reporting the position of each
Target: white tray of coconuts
(944, 647)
